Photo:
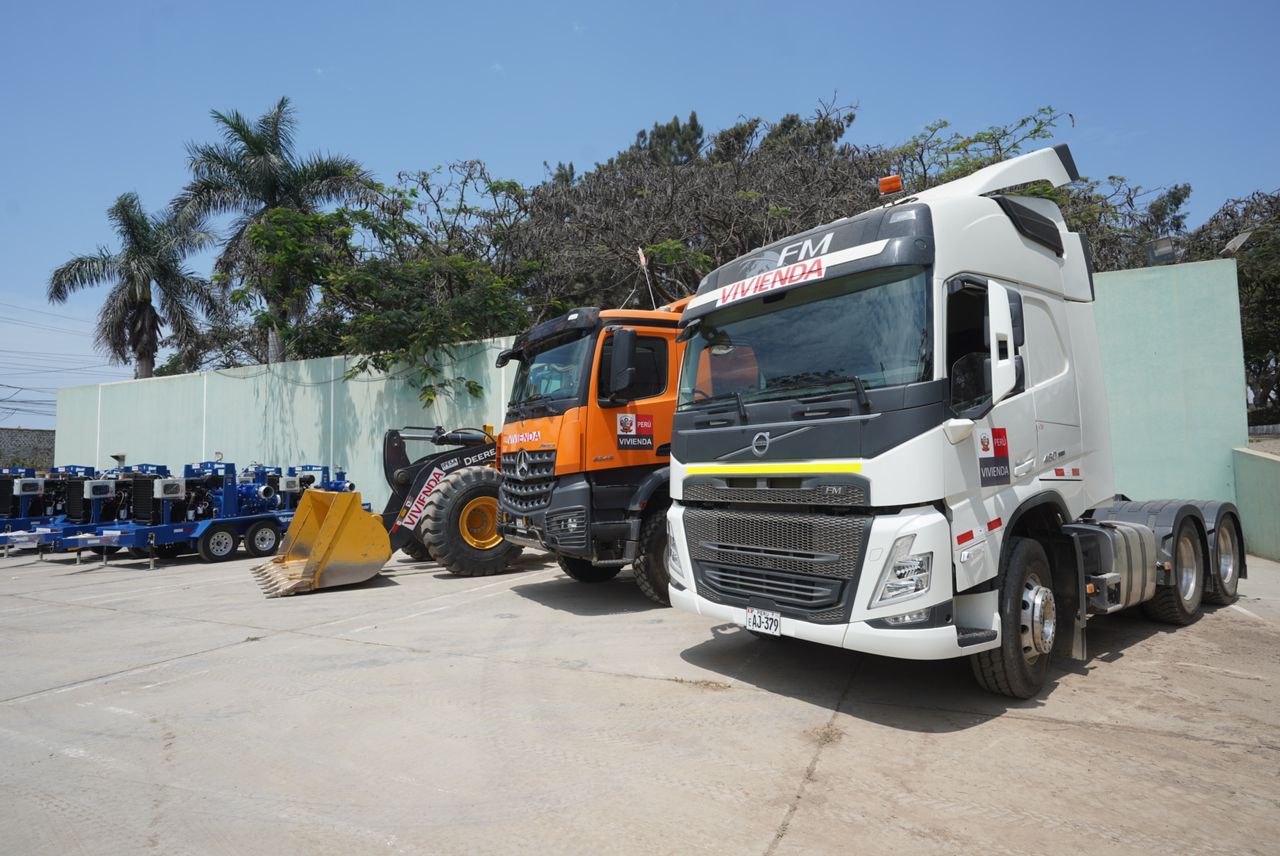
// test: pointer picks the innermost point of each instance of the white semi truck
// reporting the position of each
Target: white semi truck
(892, 436)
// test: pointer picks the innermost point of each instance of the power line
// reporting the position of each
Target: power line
(60, 316)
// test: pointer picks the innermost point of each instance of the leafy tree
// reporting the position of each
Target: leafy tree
(151, 287)
(253, 171)
(1258, 273)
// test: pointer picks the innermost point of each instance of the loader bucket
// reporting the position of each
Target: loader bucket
(332, 541)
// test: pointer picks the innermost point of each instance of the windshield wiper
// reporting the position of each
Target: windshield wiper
(736, 395)
(817, 380)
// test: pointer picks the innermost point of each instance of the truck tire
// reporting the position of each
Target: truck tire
(1180, 602)
(416, 550)
(218, 543)
(650, 566)
(460, 524)
(262, 539)
(584, 572)
(1028, 624)
(1226, 561)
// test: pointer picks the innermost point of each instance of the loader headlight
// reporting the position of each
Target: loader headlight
(905, 575)
(673, 561)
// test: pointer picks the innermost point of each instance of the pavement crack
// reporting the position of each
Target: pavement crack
(824, 740)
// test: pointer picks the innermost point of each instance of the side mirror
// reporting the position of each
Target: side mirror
(505, 357)
(622, 369)
(1004, 370)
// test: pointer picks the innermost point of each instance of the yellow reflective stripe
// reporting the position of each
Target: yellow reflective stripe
(773, 469)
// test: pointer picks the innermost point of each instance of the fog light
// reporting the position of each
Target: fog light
(908, 618)
(904, 576)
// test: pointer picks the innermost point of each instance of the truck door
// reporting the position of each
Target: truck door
(631, 428)
(1000, 454)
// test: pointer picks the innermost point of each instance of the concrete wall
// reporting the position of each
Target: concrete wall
(290, 413)
(1258, 497)
(1174, 366)
(26, 447)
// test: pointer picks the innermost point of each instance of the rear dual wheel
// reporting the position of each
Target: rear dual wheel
(1180, 602)
(1228, 560)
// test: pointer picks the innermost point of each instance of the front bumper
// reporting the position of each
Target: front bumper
(564, 525)
(855, 625)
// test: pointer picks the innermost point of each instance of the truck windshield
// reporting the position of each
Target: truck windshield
(872, 328)
(553, 369)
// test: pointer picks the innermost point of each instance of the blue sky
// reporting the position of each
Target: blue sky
(99, 99)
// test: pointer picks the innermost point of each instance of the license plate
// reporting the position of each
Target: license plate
(764, 621)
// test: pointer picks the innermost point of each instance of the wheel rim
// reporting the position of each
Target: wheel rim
(1188, 566)
(265, 539)
(1039, 619)
(480, 523)
(1227, 553)
(221, 543)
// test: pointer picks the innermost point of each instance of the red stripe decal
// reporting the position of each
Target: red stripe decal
(1075, 471)
(994, 524)
(1059, 472)
(964, 537)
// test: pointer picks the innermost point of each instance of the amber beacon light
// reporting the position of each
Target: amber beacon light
(890, 184)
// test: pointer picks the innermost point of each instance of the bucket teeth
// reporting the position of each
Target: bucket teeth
(274, 582)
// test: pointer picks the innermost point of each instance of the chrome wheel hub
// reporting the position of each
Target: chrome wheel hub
(1039, 619)
(1188, 567)
(1226, 553)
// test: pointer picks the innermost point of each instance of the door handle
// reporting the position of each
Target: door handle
(1025, 467)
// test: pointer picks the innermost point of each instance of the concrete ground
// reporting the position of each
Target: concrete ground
(178, 711)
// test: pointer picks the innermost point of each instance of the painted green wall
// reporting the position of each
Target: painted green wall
(1258, 497)
(285, 414)
(1174, 367)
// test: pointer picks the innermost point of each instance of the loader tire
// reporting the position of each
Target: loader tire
(416, 550)
(1180, 602)
(1226, 560)
(218, 543)
(584, 572)
(262, 539)
(460, 524)
(1017, 668)
(650, 566)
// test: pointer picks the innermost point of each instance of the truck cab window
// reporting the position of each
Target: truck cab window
(651, 368)
(967, 349)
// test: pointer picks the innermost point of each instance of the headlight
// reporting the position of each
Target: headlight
(673, 560)
(905, 575)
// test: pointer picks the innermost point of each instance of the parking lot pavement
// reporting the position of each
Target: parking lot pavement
(178, 711)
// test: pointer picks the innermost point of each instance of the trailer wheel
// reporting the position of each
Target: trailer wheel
(107, 550)
(460, 524)
(1028, 624)
(650, 566)
(584, 572)
(416, 550)
(262, 539)
(218, 543)
(1180, 602)
(1227, 560)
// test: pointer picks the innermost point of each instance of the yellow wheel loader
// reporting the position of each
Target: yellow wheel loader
(443, 507)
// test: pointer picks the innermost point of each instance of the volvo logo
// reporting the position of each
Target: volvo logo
(522, 464)
(760, 444)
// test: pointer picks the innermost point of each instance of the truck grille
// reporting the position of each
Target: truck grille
(568, 528)
(799, 590)
(835, 494)
(527, 479)
(816, 544)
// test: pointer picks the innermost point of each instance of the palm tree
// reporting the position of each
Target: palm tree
(253, 170)
(151, 287)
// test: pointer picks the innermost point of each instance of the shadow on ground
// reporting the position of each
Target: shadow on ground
(618, 596)
(929, 696)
